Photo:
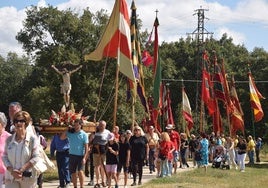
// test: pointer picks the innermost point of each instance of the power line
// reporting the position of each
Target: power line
(199, 81)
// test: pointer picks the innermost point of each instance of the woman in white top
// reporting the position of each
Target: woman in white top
(230, 148)
(21, 154)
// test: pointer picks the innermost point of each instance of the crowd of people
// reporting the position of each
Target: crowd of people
(105, 154)
(102, 155)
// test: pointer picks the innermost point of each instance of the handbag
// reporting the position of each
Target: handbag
(44, 163)
(49, 164)
(40, 166)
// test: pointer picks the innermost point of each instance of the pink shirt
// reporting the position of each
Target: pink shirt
(3, 138)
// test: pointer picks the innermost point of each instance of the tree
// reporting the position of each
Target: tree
(14, 71)
(52, 36)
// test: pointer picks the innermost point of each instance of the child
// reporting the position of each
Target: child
(165, 154)
(111, 160)
(124, 157)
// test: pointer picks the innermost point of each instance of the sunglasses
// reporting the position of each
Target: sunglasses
(136, 129)
(19, 121)
(14, 104)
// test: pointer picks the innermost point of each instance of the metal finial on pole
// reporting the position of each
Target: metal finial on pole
(156, 12)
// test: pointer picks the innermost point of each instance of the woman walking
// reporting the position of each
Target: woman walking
(124, 157)
(203, 148)
(231, 152)
(139, 152)
(242, 153)
(166, 148)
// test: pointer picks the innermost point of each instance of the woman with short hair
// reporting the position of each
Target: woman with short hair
(21, 154)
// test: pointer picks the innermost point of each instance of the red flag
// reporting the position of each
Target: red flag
(186, 110)
(147, 59)
(217, 121)
(166, 106)
(219, 88)
(153, 115)
(115, 41)
(206, 90)
(236, 115)
(255, 97)
(157, 68)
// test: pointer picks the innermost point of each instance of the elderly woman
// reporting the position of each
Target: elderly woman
(21, 154)
(138, 153)
(203, 148)
(3, 136)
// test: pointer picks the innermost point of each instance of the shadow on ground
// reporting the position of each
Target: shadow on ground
(258, 165)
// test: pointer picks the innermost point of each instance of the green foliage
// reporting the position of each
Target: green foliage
(52, 36)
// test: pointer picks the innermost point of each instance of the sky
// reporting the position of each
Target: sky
(245, 21)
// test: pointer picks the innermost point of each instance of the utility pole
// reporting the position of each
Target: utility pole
(199, 34)
(200, 31)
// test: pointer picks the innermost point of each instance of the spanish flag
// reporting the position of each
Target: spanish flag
(255, 97)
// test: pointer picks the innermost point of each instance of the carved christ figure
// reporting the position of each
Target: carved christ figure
(66, 85)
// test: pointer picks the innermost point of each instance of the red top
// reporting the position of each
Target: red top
(116, 136)
(165, 149)
(176, 139)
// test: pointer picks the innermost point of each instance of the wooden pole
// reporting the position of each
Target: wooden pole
(116, 94)
(227, 95)
(133, 115)
(202, 116)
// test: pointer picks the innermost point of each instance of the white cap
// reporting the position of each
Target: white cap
(169, 126)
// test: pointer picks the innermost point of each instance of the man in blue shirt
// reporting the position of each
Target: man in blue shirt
(78, 152)
(60, 144)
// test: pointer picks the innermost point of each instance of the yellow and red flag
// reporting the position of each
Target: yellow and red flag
(255, 97)
(237, 115)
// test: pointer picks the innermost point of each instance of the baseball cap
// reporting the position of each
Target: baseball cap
(169, 126)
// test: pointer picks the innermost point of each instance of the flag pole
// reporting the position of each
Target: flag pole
(227, 95)
(202, 107)
(116, 89)
(133, 115)
(253, 124)
(183, 121)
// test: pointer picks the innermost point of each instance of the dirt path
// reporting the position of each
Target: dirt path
(145, 178)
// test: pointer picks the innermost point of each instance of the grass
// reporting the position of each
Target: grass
(255, 176)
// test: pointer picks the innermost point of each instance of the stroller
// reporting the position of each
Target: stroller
(221, 159)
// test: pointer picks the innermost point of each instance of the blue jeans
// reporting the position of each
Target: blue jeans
(251, 156)
(166, 168)
(62, 159)
(151, 159)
